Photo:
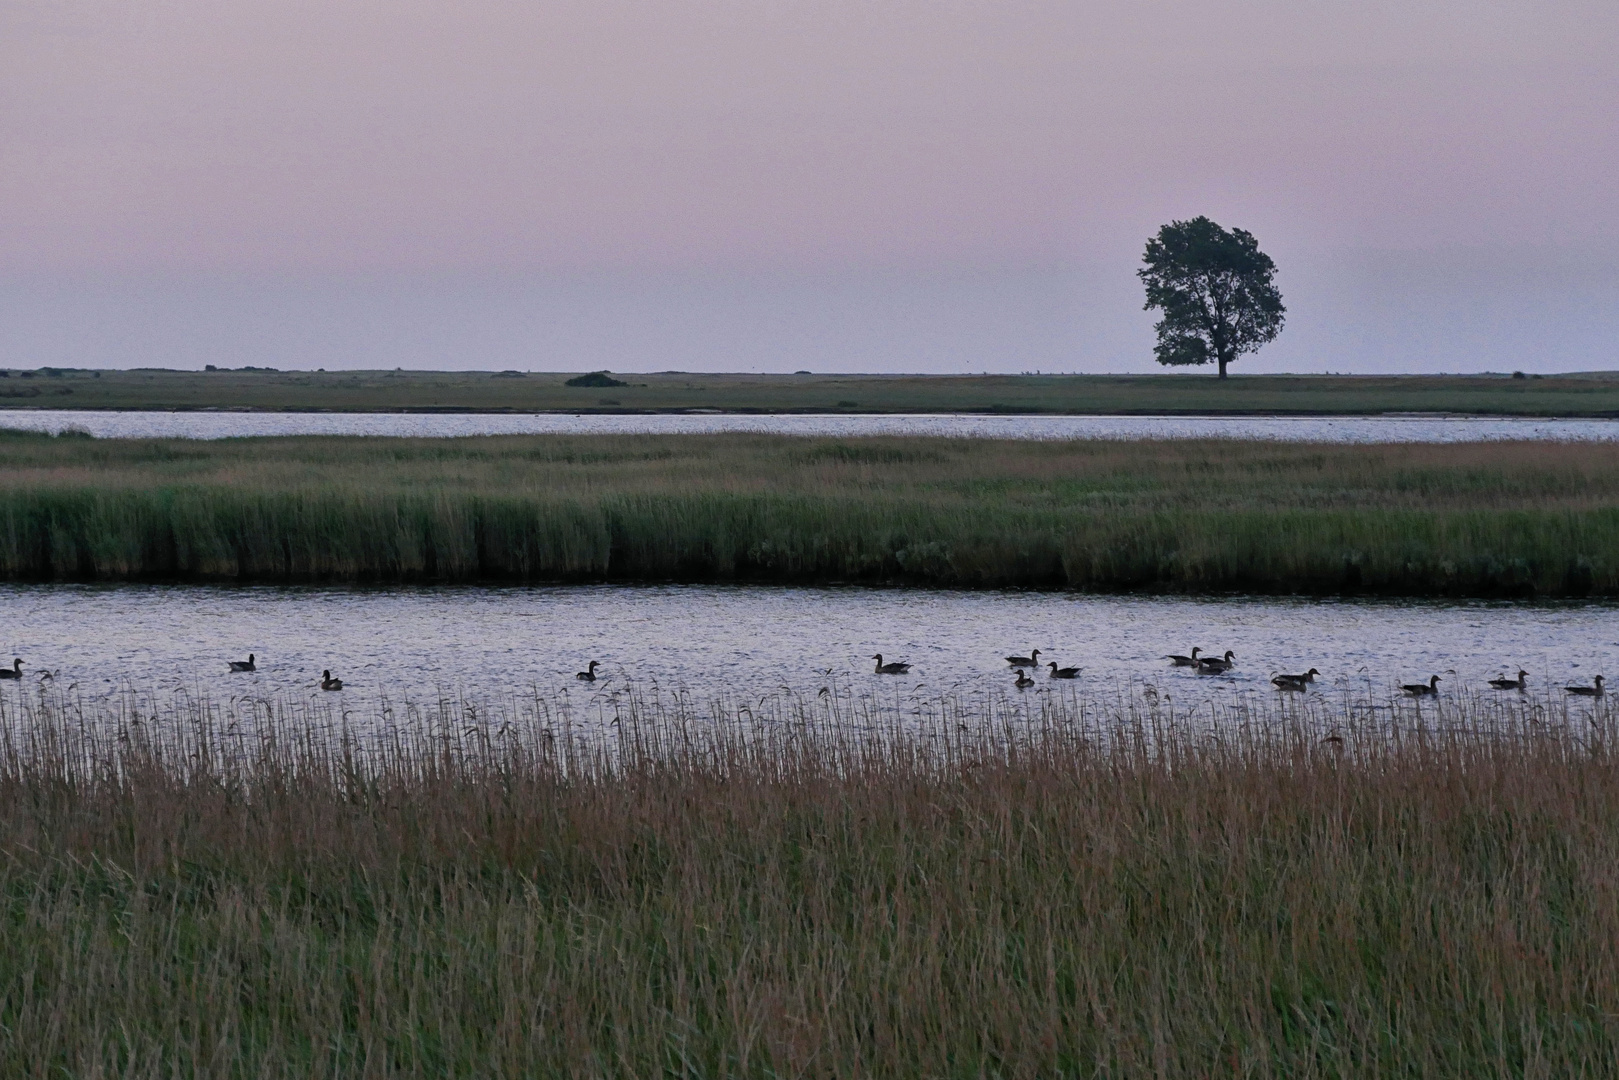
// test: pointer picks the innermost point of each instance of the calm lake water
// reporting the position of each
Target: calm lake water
(415, 642)
(1341, 429)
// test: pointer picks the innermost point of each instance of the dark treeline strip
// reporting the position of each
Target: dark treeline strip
(1477, 519)
(1016, 895)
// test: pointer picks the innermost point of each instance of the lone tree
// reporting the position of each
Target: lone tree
(1217, 292)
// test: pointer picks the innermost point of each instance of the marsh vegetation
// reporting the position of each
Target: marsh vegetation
(810, 887)
(1460, 519)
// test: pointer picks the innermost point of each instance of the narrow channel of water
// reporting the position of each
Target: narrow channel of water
(744, 640)
(1337, 429)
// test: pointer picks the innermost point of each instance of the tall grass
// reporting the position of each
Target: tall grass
(821, 888)
(1472, 519)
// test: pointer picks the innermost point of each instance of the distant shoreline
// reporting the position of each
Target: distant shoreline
(1573, 396)
(1189, 414)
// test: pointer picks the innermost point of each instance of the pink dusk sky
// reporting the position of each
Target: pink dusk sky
(823, 184)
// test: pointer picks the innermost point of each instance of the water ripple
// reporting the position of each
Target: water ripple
(743, 641)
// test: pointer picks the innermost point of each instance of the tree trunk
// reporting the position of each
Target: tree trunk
(1223, 363)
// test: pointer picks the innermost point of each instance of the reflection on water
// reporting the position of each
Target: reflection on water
(742, 641)
(1340, 429)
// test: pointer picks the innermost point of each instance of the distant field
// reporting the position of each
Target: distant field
(1595, 394)
(1478, 519)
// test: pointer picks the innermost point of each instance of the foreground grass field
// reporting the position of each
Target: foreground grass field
(1076, 889)
(1481, 519)
(1592, 394)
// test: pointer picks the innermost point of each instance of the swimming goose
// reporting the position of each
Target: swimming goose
(1025, 661)
(1184, 661)
(1214, 665)
(14, 672)
(1023, 679)
(1427, 689)
(1063, 672)
(1512, 684)
(589, 674)
(1595, 690)
(329, 683)
(898, 667)
(243, 665)
(1294, 682)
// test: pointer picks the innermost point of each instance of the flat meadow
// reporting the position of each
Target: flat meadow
(1471, 519)
(1588, 394)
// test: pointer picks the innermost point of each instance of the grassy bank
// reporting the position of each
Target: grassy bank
(1480, 519)
(1593, 394)
(1081, 889)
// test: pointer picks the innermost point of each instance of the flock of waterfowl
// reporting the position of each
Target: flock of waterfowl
(1021, 665)
(327, 682)
(1217, 665)
(1431, 687)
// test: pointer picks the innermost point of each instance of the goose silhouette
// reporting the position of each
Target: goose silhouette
(1427, 689)
(1512, 684)
(1594, 690)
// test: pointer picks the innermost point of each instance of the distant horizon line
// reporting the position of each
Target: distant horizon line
(521, 372)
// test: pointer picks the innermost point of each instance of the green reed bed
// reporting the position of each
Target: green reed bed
(1017, 887)
(1471, 519)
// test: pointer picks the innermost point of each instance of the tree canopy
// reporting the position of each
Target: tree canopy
(1217, 291)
